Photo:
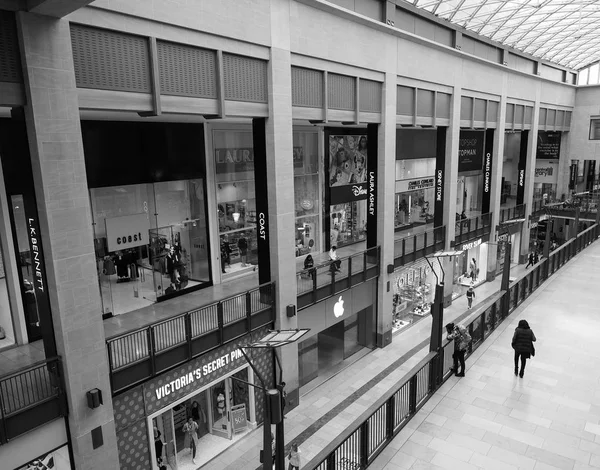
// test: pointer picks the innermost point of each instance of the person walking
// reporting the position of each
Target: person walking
(461, 338)
(522, 343)
(191, 432)
(536, 258)
(294, 457)
(530, 260)
(470, 295)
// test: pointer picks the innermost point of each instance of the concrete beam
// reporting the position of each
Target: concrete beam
(56, 8)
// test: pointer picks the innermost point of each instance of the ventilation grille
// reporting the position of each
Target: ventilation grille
(405, 101)
(187, 71)
(510, 114)
(370, 96)
(443, 105)
(341, 92)
(245, 78)
(110, 61)
(307, 87)
(10, 64)
(528, 115)
(466, 108)
(425, 103)
(492, 114)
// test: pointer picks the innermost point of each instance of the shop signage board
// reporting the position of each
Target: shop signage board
(349, 193)
(238, 418)
(234, 160)
(487, 171)
(470, 245)
(546, 171)
(591, 173)
(127, 232)
(573, 175)
(415, 184)
(470, 150)
(372, 238)
(440, 168)
(548, 145)
(522, 167)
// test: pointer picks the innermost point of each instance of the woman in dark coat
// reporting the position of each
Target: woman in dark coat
(522, 343)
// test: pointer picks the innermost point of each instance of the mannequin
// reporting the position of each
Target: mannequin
(243, 247)
(173, 263)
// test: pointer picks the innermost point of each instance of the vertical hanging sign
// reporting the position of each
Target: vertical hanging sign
(522, 168)
(487, 171)
(440, 169)
(262, 203)
(372, 159)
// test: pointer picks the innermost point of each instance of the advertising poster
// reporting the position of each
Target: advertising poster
(548, 145)
(470, 151)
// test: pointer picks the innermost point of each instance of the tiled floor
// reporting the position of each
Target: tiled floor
(324, 412)
(18, 357)
(546, 421)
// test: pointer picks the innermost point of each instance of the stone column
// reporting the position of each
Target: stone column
(496, 189)
(450, 178)
(54, 132)
(280, 175)
(530, 176)
(386, 173)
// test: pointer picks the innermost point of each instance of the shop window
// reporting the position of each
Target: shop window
(150, 241)
(197, 429)
(7, 336)
(595, 129)
(307, 195)
(308, 360)
(347, 188)
(414, 290)
(236, 201)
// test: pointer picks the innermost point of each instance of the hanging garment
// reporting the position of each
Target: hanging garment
(109, 266)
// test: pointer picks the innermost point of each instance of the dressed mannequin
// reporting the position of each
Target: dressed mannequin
(243, 247)
(221, 407)
(173, 263)
(225, 253)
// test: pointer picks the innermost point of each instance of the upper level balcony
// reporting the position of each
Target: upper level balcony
(472, 228)
(412, 246)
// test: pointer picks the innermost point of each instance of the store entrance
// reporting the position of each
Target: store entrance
(198, 429)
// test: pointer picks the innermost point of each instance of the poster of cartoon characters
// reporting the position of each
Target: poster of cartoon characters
(348, 159)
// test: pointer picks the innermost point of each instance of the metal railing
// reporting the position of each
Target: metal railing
(512, 213)
(145, 352)
(361, 442)
(413, 247)
(475, 227)
(30, 398)
(322, 281)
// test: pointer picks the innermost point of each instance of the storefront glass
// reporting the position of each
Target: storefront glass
(414, 291)
(347, 189)
(470, 267)
(203, 425)
(150, 241)
(236, 201)
(7, 334)
(322, 352)
(510, 168)
(307, 193)
(469, 193)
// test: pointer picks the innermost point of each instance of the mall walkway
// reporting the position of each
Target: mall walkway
(548, 420)
(325, 411)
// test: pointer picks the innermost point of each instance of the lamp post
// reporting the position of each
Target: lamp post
(272, 396)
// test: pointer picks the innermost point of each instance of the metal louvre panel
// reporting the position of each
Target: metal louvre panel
(109, 60)
(307, 87)
(528, 115)
(186, 70)
(341, 92)
(466, 108)
(510, 114)
(479, 109)
(550, 120)
(425, 100)
(245, 78)
(519, 114)
(10, 63)
(443, 105)
(405, 101)
(492, 111)
(560, 118)
(370, 96)
(568, 120)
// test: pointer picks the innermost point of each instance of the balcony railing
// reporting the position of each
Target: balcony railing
(360, 443)
(414, 247)
(30, 398)
(321, 281)
(146, 352)
(512, 213)
(470, 229)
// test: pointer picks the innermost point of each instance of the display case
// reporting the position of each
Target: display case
(413, 294)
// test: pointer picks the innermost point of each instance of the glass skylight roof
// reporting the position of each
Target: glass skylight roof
(566, 32)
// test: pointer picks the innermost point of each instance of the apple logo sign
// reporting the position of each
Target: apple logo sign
(338, 308)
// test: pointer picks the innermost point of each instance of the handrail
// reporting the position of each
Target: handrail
(32, 366)
(166, 320)
(374, 429)
(509, 213)
(327, 263)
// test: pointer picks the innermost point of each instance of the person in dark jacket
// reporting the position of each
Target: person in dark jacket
(522, 343)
